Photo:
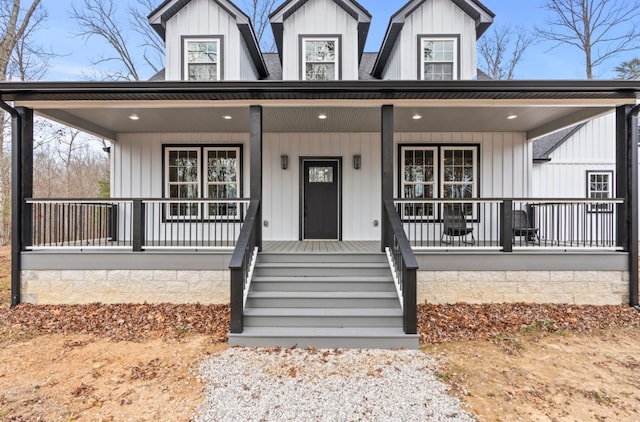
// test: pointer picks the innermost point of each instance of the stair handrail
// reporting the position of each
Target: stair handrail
(405, 266)
(242, 264)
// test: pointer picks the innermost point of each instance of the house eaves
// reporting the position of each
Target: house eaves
(290, 7)
(482, 16)
(169, 8)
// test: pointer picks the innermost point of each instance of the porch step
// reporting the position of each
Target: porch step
(325, 338)
(325, 301)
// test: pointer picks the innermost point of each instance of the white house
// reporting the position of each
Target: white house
(323, 191)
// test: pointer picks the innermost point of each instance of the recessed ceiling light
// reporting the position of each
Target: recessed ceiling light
(512, 116)
(134, 116)
(322, 116)
(416, 116)
(227, 117)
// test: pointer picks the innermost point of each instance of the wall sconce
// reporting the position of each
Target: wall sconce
(284, 161)
(357, 161)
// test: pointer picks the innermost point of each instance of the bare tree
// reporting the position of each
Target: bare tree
(502, 49)
(101, 19)
(14, 22)
(258, 11)
(151, 43)
(601, 29)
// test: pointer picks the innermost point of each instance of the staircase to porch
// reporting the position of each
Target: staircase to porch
(324, 300)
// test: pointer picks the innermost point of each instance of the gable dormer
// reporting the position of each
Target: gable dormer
(433, 40)
(208, 40)
(320, 39)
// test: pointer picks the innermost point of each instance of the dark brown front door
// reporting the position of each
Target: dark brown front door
(321, 199)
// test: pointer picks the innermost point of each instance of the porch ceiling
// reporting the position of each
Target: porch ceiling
(535, 120)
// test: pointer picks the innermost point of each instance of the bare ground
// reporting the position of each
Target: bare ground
(139, 362)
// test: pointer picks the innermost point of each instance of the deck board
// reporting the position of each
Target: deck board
(321, 246)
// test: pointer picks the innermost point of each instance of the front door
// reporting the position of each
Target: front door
(321, 199)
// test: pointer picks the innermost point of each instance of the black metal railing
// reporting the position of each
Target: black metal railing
(79, 223)
(404, 266)
(241, 264)
(506, 224)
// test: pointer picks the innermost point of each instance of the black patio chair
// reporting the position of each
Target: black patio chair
(522, 227)
(455, 225)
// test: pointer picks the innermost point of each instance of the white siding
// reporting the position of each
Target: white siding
(360, 188)
(205, 17)
(320, 17)
(432, 18)
(593, 147)
(247, 68)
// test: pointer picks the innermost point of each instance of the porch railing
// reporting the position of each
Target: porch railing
(510, 224)
(404, 266)
(241, 265)
(136, 224)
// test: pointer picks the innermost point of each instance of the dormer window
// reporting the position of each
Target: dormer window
(320, 58)
(438, 58)
(202, 58)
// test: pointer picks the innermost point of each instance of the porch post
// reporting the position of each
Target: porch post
(622, 176)
(255, 166)
(21, 188)
(387, 170)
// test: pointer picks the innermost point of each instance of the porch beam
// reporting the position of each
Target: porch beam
(255, 165)
(386, 132)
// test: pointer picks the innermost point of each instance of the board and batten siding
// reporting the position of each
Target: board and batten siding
(320, 18)
(206, 18)
(435, 17)
(591, 148)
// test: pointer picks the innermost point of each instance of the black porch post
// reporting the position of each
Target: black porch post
(21, 188)
(387, 170)
(627, 188)
(255, 165)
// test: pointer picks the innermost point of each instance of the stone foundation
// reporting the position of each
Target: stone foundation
(571, 287)
(125, 286)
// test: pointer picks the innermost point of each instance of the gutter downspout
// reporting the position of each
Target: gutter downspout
(16, 203)
(632, 195)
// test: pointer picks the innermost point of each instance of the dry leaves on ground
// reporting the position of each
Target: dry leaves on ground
(437, 323)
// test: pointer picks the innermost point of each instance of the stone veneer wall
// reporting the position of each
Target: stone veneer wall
(572, 287)
(125, 286)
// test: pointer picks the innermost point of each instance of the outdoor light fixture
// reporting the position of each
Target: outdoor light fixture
(134, 116)
(512, 116)
(284, 161)
(227, 117)
(322, 116)
(416, 116)
(357, 161)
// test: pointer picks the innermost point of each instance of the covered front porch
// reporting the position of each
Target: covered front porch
(434, 176)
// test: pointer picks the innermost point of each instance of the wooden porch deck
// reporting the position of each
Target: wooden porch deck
(321, 246)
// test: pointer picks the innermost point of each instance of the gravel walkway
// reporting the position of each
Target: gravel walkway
(325, 385)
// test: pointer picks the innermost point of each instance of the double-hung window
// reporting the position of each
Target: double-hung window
(600, 186)
(197, 172)
(202, 58)
(438, 58)
(320, 58)
(432, 172)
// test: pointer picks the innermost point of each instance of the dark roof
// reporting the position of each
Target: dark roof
(366, 65)
(544, 146)
(272, 60)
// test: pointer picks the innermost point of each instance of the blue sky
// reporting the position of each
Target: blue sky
(539, 62)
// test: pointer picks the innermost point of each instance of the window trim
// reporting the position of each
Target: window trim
(439, 37)
(594, 208)
(185, 63)
(202, 216)
(439, 182)
(301, 52)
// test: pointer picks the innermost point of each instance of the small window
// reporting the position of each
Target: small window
(223, 168)
(439, 59)
(320, 59)
(320, 174)
(202, 59)
(419, 171)
(600, 186)
(183, 180)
